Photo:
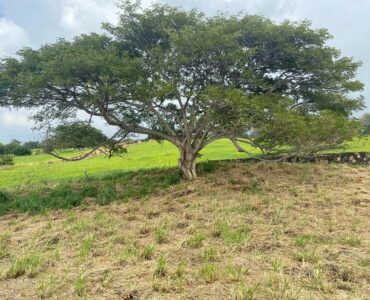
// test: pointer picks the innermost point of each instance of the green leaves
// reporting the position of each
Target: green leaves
(74, 135)
(305, 134)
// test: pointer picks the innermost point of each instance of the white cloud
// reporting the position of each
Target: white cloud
(271, 8)
(86, 15)
(12, 37)
(15, 119)
(68, 19)
(16, 125)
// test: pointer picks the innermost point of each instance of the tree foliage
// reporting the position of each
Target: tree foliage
(190, 79)
(365, 122)
(32, 145)
(14, 148)
(6, 160)
(302, 135)
(75, 135)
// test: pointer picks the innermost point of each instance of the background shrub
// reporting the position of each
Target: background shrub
(6, 160)
(4, 197)
(21, 151)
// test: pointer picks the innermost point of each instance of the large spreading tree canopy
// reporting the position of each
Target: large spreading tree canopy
(189, 79)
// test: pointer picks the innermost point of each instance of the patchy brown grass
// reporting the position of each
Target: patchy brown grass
(243, 232)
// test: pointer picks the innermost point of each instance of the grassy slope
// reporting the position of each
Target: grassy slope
(262, 231)
(41, 168)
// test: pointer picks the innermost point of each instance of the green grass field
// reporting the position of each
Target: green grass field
(42, 168)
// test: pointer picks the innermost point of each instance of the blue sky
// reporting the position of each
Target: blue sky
(36, 22)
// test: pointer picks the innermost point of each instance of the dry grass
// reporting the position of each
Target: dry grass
(243, 232)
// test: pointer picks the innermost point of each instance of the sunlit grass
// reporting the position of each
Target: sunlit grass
(41, 168)
(35, 169)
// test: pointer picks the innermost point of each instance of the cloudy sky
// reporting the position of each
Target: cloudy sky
(36, 22)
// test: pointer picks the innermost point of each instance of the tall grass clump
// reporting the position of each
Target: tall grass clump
(116, 187)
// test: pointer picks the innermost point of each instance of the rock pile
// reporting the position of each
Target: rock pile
(348, 158)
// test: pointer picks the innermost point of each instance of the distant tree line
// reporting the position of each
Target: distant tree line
(75, 135)
(17, 148)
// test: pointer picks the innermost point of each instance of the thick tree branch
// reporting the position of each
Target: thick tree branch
(162, 121)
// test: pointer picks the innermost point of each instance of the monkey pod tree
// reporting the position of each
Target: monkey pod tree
(188, 79)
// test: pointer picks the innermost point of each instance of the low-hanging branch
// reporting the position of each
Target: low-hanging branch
(110, 145)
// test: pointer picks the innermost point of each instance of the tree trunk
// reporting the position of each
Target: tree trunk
(187, 163)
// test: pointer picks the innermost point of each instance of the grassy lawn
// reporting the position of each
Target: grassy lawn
(37, 169)
(42, 168)
(250, 231)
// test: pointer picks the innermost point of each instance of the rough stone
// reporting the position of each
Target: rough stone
(357, 158)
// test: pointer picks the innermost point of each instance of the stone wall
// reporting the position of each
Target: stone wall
(347, 158)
